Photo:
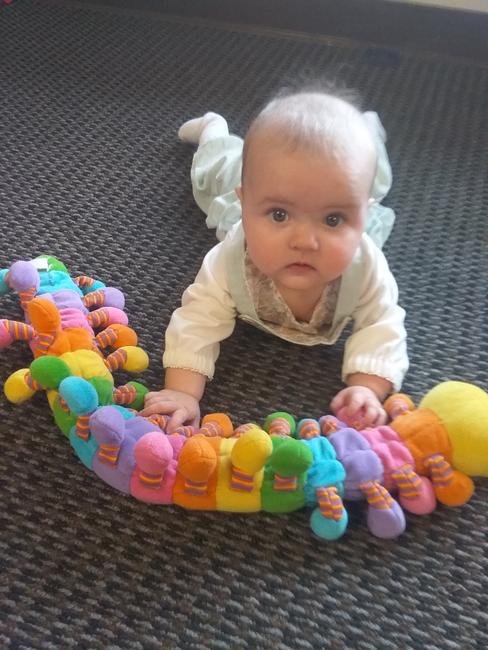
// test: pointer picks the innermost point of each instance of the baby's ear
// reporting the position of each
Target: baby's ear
(239, 192)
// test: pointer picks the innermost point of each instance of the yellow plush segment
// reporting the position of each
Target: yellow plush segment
(16, 390)
(137, 359)
(463, 408)
(51, 397)
(232, 500)
(252, 451)
(87, 364)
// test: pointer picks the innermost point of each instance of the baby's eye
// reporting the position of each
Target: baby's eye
(278, 215)
(333, 220)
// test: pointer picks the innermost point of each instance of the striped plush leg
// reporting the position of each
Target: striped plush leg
(125, 395)
(280, 424)
(308, 428)
(161, 421)
(12, 330)
(93, 299)
(452, 488)
(329, 520)
(416, 493)
(386, 518)
(116, 360)
(397, 405)
(330, 424)
(82, 427)
(84, 281)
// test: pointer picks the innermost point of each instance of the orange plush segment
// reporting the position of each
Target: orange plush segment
(457, 492)
(44, 315)
(199, 461)
(222, 421)
(424, 434)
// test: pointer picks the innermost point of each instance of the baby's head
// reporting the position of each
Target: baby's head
(309, 163)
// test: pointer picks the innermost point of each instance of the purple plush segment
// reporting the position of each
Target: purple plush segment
(118, 477)
(388, 523)
(107, 426)
(113, 297)
(23, 275)
(68, 299)
(138, 427)
(359, 461)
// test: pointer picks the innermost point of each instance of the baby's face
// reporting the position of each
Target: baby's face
(303, 214)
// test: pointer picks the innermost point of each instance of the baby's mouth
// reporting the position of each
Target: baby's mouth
(299, 266)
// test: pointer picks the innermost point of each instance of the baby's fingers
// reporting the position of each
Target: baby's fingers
(162, 406)
(373, 415)
(179, 417)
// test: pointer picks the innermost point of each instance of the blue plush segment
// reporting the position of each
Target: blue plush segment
(328, 528)
(4, 288)
(79, 395)
(326, 470)
(85, 449)
(55, 281)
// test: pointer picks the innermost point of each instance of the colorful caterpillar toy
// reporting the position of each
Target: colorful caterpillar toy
(424, 455)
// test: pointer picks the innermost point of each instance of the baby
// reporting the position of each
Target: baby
(295, 259)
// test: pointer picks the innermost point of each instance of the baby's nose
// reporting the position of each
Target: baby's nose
(304, 238)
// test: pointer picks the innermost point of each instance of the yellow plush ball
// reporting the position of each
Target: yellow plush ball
(251, 451)
(137, 359)
(16, 390)
(463, 408)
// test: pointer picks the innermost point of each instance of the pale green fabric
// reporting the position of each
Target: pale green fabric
(216, 172)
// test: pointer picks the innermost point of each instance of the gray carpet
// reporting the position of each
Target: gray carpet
(93, 173)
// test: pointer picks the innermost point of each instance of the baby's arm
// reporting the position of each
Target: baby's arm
(375, 358)
(206, 317)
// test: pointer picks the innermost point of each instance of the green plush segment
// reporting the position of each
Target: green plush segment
(277, 501)
(49, 371)
(64, 420)
(291, 458)
(105, 390)
(53, 263)
(141, 392)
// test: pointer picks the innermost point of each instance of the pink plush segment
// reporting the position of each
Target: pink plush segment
(425, 504)
(164, 494)
(5, 337)
(74, 318)
(388, 445)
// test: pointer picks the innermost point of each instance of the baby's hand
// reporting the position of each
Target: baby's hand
(183, 408)
(361, 403)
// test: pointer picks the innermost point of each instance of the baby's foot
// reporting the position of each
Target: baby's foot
(201, 129)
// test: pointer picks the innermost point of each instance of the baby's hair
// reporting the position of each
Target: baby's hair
(321, 116)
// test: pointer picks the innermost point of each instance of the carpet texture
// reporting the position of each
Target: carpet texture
(93, 173)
